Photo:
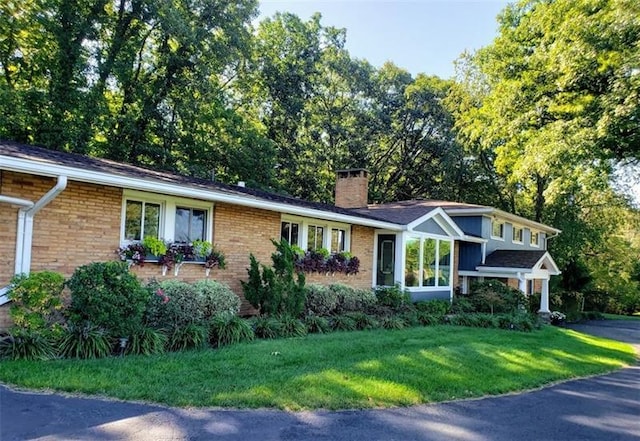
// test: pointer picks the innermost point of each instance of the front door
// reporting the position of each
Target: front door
(386, 260)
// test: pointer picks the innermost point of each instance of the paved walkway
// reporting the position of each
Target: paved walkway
(599, 408)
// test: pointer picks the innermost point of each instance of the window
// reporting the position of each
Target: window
(190, 225)
(338, 240)
(517, 234)
(497, 229)
(315, 237)
(314, 234)
(169, 218)
(141, 219)
(427, 262)
(535, 239)
(289, 231)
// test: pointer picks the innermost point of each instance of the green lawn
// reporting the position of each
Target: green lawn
(339, 370)
(621, 317)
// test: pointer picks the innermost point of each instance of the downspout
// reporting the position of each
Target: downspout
(27, 238)
(24, 205)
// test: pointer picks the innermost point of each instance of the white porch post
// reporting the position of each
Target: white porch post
(544, 298)
(522, 285)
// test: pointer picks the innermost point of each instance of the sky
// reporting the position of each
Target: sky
(421, 36)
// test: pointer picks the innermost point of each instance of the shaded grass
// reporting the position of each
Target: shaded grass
(621, 317)
(339, 370)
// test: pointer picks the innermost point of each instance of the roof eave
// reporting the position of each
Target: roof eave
(21, 165)
(490, 211)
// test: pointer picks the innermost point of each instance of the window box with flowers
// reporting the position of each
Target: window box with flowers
(321, 261)
(172, 256)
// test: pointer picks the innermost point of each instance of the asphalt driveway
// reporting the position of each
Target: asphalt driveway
(606, 407)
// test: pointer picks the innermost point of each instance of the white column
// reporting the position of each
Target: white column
(544, 298)
(522, 285)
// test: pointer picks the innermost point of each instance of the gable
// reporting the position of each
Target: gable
(430, 226)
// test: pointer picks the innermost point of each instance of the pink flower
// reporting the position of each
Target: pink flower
(160, 293)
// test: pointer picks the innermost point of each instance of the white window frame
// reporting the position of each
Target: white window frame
(513, 234)
(303, 227)
(168, 205)
(535, 234)
(503, 223)
(422, 238)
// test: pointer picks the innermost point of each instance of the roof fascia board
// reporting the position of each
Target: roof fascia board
(489, 211)
(492, 269)
(20, 165)
(555, 270)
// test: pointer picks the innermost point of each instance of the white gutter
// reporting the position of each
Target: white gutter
(23, 204)
(23, 260)
(20, 165)
(489, 211)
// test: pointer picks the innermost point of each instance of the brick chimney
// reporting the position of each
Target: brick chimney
(352, 188)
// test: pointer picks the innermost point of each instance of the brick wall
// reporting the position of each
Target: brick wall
(352, 188)
(82, 225)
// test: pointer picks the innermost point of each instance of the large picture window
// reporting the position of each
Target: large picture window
(427, 262)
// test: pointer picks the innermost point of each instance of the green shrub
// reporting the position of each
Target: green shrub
(363, 320)
(352, 299)
(320, 300)
(493, 296)
(434, 307)
(215, 298)
(393, 322)
(411, 318)
(173, 304)
(36, 300)
(146, 341)
(189, 336)
(392, 296)
(85, 341)
(266, 327)
(279, 289)
(461, 305)
(228, 329)
(107, 295)
(343, 323)
(292, 327)
(317, 324)
(593, 315)
(26, 344)
(428, 319)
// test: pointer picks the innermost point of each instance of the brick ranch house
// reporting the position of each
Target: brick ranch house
(59, 211)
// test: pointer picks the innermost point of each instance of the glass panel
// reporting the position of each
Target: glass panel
(315, 237)
(198, 223)
(429, 262)
(337, 240)
(444, 264)
(386, 261)
(285, 231)
(534, 238)
(294, 234)
(182, 225)
(412, 262)
(497, 229)
(151, 220)
(133, 221)
(311, 237)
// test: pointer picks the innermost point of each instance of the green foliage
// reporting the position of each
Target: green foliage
(107, 295)
(85, 340)
(392, 296)
(317, 324)
(292, 327)
(188, 336)
(434, 307)
(515, 322)
(228, 329)
(428, 319)
(267, 327)
(352, 299)
(320, 300)
(26, 344)
(145, 341)
(495, 297)
(279, 289)
(173, 304)
(153, 245)
(462, 305)
(363, 320)
(343, 323)
(36, 300)
(215, 298)
(393, 322)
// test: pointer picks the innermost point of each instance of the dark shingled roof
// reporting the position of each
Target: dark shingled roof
(46, 156)
(513, 258)
(405, 212)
